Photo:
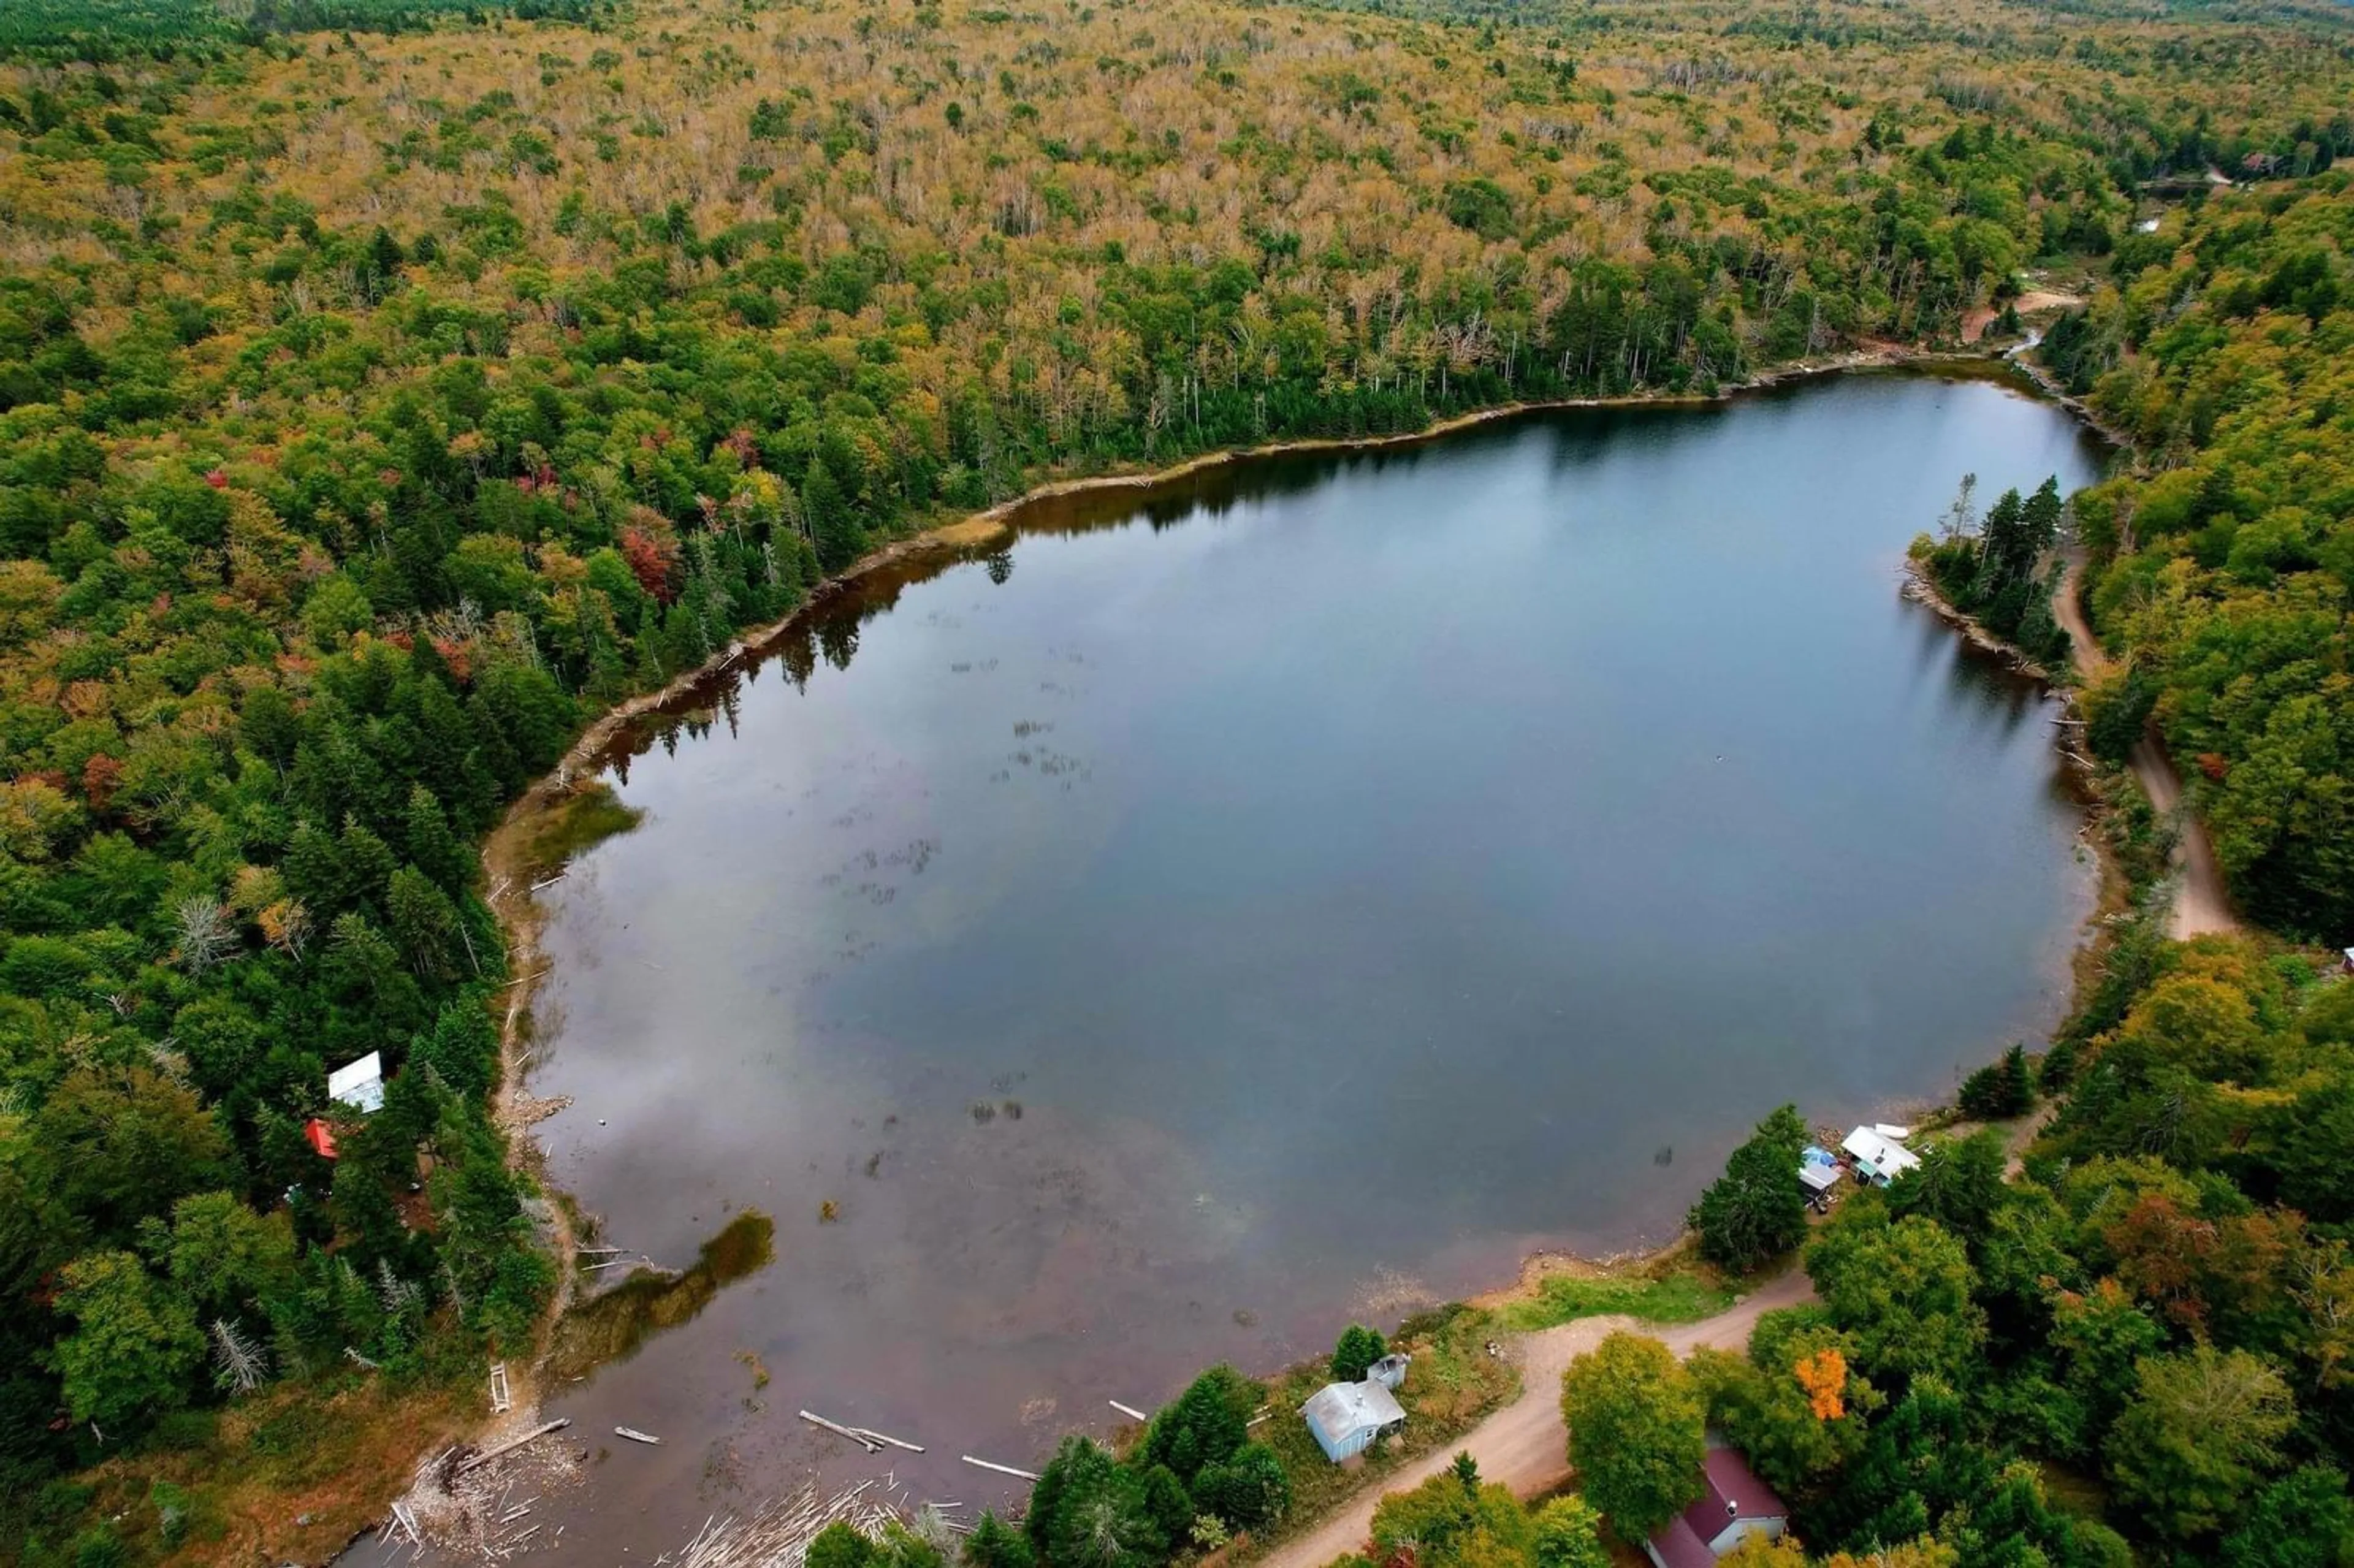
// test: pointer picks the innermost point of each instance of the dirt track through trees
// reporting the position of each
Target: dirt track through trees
(2200, 904)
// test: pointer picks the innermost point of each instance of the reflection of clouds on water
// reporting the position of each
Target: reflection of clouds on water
(1157, 961)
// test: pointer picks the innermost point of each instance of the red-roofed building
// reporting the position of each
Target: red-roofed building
(1733, 1506)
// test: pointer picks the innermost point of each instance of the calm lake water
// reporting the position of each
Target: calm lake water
(1286, 900)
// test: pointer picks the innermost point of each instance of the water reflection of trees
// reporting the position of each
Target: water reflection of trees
(1978, 685)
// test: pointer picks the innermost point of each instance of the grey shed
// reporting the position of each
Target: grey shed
(1345, 1417)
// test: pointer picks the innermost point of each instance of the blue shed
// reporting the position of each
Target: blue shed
(1345, 1417)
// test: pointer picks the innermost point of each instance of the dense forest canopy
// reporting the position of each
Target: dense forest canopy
(2222, 347)
(388, 386)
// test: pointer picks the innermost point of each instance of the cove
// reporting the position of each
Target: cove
(1286, 896)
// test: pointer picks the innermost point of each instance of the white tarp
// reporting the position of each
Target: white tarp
(1882, 1159)
(359, 1084)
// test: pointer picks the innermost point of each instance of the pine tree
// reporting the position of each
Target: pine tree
(424, 922)
(833, 525)
(432, 847)
(1358, 1349)
(1758, 1209)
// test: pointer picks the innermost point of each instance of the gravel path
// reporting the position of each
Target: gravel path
(1525, 1445)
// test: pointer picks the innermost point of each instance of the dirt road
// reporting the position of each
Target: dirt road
(2200, 905)
(1523, 1446)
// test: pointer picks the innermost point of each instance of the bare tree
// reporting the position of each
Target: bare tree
(207, 937)
(240, 1365)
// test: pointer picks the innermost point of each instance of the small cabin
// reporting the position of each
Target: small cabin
(1734, 1506)
(1819, 1170)
(1346, 1417)
(1390, 1370)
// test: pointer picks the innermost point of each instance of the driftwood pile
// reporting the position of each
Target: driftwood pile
(480, 1502)
(778, 1535)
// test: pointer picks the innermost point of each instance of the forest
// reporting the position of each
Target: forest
(2221, 575)
(389, 387)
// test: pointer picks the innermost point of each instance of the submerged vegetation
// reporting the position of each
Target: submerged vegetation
(380, 403)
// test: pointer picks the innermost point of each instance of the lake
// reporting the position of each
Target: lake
(1287, 897)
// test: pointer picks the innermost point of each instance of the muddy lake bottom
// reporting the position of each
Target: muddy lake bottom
(1286, 898)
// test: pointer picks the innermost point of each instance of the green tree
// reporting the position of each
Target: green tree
(1170, 1504)
(840, 1546)
(1088, 1510)
(1569, 1535)
(1958, 1184)
(1248, 1489)
(2302, 1521)
(1902, 1288)
(1637, 1432)
(2100, 1335)
(424, 922)
(833, 522)
(1758, 1209)
(1202, 1425)
(126, 1144)
(2197, 1438)
(222, 1256)
(2001, 1089)
(1454, 1520)
(432, 847)
(994, 1543)
(1793, 1405)
(1358, 1349)
(134, 1348)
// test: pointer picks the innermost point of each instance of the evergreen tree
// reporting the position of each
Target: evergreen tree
(833, 524)
(1359, 1349)
(994, 1543)
(1757, 1210)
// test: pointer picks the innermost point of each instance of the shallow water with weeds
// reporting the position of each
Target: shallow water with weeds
(1211, 914)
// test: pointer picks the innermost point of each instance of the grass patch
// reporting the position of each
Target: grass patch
(1563, 1299)
(2073, 1491)
(289, 1474)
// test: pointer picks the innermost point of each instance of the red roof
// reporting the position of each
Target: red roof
(321, 1137)
(1676, 1545)
(1730, 1492)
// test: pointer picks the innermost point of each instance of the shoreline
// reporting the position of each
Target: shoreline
(513, 876)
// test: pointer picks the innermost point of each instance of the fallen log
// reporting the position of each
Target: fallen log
(512, 1444)
(836, 1427)
(1001, 1469)
(1127, 1410)
(634, 1436)
(886, 1437)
